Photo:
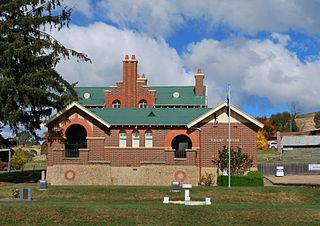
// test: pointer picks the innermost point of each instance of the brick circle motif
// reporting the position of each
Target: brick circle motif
(70, 175)
(180, 176)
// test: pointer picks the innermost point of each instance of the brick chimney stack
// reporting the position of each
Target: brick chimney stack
(129, 89)
(199, 88)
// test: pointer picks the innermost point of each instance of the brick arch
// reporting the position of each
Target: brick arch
(172, 134)
(78, 121)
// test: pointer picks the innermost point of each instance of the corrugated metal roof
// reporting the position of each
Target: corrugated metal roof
(96, 95)
(186, 95)
(149, 116)
(164, 96)
(300, 140)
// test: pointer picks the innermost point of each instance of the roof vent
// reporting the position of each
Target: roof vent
(86, 95)
(176, 94)
(151, 114)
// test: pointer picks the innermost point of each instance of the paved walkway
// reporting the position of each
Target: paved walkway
(298, 180)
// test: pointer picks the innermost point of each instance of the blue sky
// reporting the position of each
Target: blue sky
(267, 50)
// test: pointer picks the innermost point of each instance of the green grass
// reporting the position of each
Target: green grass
(268, 156)
(37, 165)
(133, 205)
(272, 156)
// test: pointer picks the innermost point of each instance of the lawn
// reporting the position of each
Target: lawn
(133, 205)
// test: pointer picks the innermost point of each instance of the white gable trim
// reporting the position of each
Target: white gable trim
(244, 115)
(70, 106)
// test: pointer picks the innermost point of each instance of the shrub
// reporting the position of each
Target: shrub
(253, 179)
(261, 139)
(19, 159)
(207, 179)
(239, 162)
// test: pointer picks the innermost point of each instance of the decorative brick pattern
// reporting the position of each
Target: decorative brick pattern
(131, 90)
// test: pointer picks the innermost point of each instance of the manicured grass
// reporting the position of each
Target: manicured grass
(132, 205)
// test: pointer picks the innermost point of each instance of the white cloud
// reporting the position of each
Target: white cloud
(249, 16)
(260, 68)
(106, 46)
(264, 68)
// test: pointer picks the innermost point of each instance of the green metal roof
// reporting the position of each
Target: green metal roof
(96, 95)
(149, 116)
(165, 95)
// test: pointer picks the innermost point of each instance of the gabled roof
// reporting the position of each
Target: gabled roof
(186, 95)
(68, 108)
(149, 116)
(234, 109)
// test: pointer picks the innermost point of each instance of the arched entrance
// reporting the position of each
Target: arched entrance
(180, 143)
(76, 138)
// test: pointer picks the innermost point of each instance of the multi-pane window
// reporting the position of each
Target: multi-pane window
(122, 139)
(143, 104)
(116, 104)
(135, 139)
(148, 139)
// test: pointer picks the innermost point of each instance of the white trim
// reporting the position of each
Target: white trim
(70, 106)
(234, 109)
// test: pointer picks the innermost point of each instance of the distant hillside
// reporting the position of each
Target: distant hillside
(305, 122)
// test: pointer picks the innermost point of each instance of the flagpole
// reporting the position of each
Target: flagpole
(229, 134)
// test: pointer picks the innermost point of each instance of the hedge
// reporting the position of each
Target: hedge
(253, 179)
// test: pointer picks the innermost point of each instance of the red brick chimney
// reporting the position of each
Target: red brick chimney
(199, 88)
(129, 88)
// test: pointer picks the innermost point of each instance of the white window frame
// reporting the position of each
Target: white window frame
(135, 139)
(122, 139)
(148, 139)
(143, 104)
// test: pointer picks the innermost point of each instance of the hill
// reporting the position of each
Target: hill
(305, 122)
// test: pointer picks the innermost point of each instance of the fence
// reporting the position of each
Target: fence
(268, 169)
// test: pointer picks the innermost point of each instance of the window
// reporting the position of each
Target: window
(135, 139)
(148, 139)
(143, 104)
(76, 139)
(116, 104)
(122, 139)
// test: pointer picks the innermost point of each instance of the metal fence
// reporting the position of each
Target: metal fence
(268, 169)
(72, 150)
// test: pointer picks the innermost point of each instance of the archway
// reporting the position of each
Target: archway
(180, 143)
(76, 138)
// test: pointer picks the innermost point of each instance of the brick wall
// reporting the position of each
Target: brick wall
(103, 146)
(131, 90)
(215, 136)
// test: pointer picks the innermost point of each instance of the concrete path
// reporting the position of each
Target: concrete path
(297, 180)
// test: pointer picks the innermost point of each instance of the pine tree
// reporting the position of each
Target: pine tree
(30, 87)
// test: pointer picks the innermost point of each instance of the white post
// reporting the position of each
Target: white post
(187, 195)
(9, 162)
(229, 135)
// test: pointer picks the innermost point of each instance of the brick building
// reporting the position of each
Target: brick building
(136, 134)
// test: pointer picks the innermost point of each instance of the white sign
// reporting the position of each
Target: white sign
(314, 167)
